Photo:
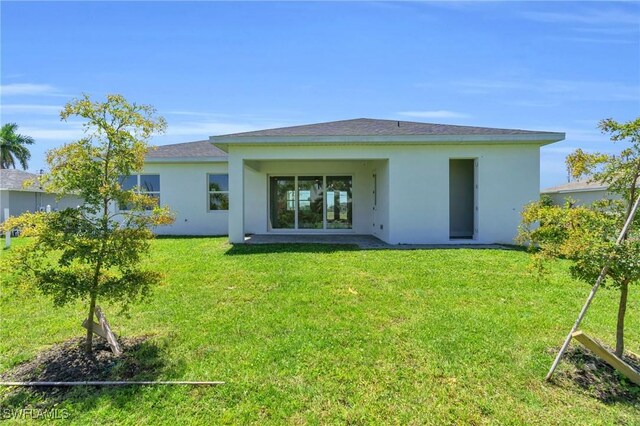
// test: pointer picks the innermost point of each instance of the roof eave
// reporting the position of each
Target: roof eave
(565, 191)
(24, 190)
(207, 159)
(541, 139)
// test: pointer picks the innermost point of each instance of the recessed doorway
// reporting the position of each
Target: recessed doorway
(462, 198)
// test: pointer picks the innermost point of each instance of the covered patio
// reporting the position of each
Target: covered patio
(320, 198)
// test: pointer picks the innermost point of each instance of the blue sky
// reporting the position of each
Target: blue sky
(214, 68)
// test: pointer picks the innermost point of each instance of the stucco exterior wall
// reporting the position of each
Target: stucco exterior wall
(380, 220)
(417, 179)
(4, 203)
(184, 188)
(19, 202)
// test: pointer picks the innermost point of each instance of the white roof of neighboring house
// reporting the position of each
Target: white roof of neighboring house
(577, 186)
(13, 180)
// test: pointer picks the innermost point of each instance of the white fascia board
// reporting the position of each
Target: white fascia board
(534, 138)
(187, 160)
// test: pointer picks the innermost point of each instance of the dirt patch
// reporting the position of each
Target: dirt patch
(67, 362)
(598, 378)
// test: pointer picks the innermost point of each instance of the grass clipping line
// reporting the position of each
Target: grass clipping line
(110, 383)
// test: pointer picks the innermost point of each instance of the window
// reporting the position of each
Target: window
(218, 187)
(141, 184)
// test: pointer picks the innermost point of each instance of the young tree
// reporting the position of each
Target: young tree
(13, 147)
(587, 234)
(94, 251)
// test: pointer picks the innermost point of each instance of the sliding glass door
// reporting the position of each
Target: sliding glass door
(282, 202)
(310, 206)
(301, 202)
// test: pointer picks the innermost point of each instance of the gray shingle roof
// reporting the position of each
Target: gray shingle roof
(13, 179)
(187, 150)
(373, 127)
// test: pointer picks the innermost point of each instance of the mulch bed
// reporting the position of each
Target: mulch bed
(598, 378)
(68, 362)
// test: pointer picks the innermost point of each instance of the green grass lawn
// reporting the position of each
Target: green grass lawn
(328, 334)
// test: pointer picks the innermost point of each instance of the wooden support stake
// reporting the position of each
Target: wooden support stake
(97, 329)
(111, 338)
(592, 294)
(608, 357)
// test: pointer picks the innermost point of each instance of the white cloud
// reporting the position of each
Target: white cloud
(29, 89)
(573, 90)
(434, 114)
(598, 40)
(205, 128)
(52, 134)
(590, 16)
(194, 113)
(30, 109)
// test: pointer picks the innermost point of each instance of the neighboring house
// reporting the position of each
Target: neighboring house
(582, 192)
(20, 199)
(403, 182)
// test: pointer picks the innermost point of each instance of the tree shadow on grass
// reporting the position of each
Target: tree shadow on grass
(599, 379)
(142, 359)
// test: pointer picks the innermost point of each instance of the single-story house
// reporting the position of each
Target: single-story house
(20, 199)
(582, 192)
(402, 182)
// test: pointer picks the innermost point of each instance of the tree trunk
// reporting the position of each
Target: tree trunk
(622, 309)
(88, 347)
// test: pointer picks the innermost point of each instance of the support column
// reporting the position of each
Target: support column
(236, 199)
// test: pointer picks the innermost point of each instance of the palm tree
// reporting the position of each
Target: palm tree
(13, 146)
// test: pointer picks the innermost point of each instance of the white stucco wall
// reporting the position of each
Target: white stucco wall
(417, 186)
(380, 219)
(4, 202)
(19, 202)
(184, 188)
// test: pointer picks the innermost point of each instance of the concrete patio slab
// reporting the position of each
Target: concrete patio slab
(365, 242)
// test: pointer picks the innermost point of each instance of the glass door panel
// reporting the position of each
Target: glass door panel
(339, 202)
(282, 200)
(310, 202)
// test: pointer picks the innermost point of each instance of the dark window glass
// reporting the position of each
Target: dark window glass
(149, 183)
(219, 201)
(128, 182)
(339, 202)
(218, 182)
(282, 209)
(310, 197)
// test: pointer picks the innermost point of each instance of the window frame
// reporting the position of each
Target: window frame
(138, 190)
(210, 192)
